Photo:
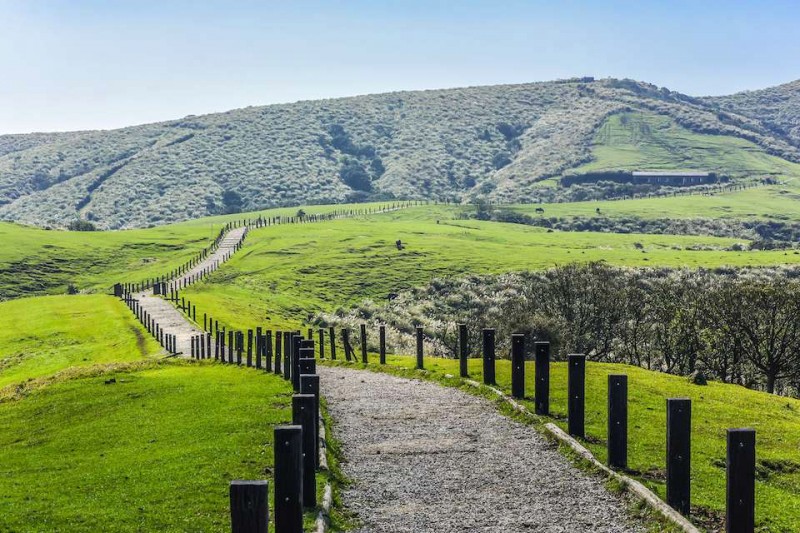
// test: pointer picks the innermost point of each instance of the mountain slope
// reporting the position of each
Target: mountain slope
(496, 142)
(777, 107)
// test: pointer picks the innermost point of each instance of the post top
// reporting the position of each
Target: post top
(250, 482)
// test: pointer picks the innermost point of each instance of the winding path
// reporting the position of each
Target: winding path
(423, 457)
(166, 314)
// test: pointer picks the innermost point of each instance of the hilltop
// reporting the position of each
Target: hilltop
(501, 143)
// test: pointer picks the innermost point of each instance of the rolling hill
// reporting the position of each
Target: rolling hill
(496, 142)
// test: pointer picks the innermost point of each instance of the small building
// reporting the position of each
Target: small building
(675, 179)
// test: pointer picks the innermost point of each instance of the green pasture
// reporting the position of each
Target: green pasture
(153, 451)
(48, 334)
(646, 141)
(284, 274)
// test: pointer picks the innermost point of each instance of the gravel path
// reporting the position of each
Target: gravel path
(424, 457)
(167, 315)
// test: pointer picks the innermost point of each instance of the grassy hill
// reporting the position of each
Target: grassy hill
(153, 451)
(497, 142)
(778, 108)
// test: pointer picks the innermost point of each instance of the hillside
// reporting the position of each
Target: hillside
(497, 142)
(778, 108)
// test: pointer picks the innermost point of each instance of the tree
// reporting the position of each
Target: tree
(81, 225)
(354, 175)
(232, 202)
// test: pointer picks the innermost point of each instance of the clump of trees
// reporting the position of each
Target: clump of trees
(81, 225)
(734, 325)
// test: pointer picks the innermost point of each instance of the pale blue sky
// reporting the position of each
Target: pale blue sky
(87, 64)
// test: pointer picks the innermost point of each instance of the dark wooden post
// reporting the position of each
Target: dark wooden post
(249, 511)
(296, 338)
(741, 481)
(420, 349)
(205, 322)
(382, 340)
(332, 335)
(303, 416)
(518, 365)
(268, 350)
(679, 429)
(230, 346)
(259, 346)
(346, 343)
(287, 355)
(278, 354)
(488, 356)
(463, 350)
(309, 384)
(542, 355)
(618, 421)
(321, 343)
(576, 391)
(288, 479)
(364, 344)
(249, 347)
(239, 347)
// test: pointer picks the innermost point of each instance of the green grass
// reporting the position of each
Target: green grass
(154, 451)
(643, 141)
(36, 261)
(776, 202)
(283, 274)
(44, 335)
(715, 408)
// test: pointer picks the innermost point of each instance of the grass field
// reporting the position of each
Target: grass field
(47, 334)
(36, 261)
(154, 451)
(715, 408)
(775, 202)
(284, 274)
(644, 141)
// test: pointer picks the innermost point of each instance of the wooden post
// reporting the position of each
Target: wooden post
(239, 347)
(382, 340)
(576, 391)
(259, 346)
(463, 350)
(321, 343)
(309, 384)
(346, 343)
(741, 481)
(542, 355)
(488, 356)
(420, 349)
(249, 347)
(679, 429)
(617, 421)
(249, 508)
(296, 338)
(332, 335)
(364, 343)
(278, 354)
(518, 365)
(205, 322)
(230, 346)
(303, 416)
(268, 350)
(287, 355)
(288, 479)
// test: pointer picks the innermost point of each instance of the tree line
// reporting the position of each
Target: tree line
(733, 325)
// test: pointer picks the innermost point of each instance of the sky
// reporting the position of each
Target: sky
(92, 64)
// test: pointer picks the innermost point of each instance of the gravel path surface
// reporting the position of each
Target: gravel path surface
(424, 457)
